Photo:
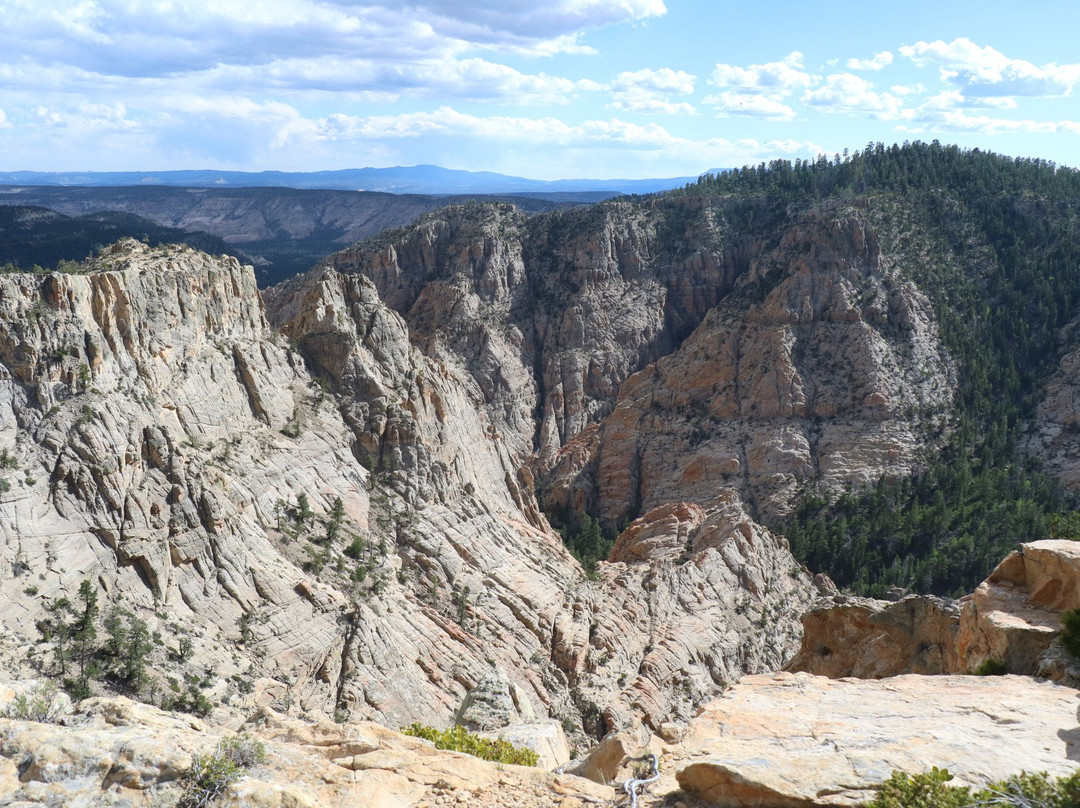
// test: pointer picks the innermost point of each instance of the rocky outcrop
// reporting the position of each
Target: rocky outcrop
(1012, 618)
(871, 639)
(694, 598)
(114, 751)
(796, 741)
(1015, 614)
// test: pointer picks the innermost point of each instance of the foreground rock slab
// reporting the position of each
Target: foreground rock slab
(786, 740)
(119, 752)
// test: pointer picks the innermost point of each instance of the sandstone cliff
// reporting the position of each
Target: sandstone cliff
(651, 354)
(164, 442)
(1011, 620)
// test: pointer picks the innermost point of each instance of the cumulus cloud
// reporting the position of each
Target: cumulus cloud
(651, 91)
(750, 105)
(985, 71)
(759, 91)
(925, 119)
(846, 92)
(771, 78)
(880, 60)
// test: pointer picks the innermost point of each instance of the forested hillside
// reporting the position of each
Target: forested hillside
(995, 243)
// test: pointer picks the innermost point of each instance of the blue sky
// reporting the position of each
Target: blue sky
(570, 88)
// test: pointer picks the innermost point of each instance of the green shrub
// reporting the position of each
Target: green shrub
(40, 703)
(1070, 632)
(211, 775)
(991, 667)
(925, 790)
(458, 739)
(929, 790)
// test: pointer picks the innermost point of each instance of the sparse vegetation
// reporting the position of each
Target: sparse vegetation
(458, 739)
(931, 790)
(211, 775)
(991, 667)
(1070, 632)
(41, 703)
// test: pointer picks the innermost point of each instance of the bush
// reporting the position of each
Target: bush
(929, 790)
(458, 739)
(925, 790)
(1070, 632)
(41, 703)
(211, 775)
(991, 667)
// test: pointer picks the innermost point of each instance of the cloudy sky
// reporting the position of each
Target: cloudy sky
(558, 89)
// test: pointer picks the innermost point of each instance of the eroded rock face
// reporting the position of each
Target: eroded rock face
(795, 740)
(872, 639)
(1012, 618)
(824, 364)
(172, 448)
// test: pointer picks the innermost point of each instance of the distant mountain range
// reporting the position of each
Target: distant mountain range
(422, 179)
(281, 231)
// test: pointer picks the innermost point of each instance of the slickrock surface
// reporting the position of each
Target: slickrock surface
(796, 740)
(160, 436)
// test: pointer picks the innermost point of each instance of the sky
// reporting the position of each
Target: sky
(545, 90)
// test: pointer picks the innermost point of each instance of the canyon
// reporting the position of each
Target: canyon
(347, 503)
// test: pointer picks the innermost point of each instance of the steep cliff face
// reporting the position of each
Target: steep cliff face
(653, 354)
(162, 441)
(550, 315)
(824, 365)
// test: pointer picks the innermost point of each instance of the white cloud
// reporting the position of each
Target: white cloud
(140, 38)
(771, 78)
(4, 122)
(985, 71)
(954, 99)
(846, 92)
(902, 90)
(515, 23)
(751, 106)
(650, 91)
(880, 60)
(759, 91)
(944, 120)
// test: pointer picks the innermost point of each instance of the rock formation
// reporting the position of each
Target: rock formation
(115, 751)
(794, 740)
(334, 520)
(1012, 619)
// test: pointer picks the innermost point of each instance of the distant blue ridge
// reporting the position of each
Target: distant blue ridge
(422, 179)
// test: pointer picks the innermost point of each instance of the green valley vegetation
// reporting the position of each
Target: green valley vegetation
(994, 243)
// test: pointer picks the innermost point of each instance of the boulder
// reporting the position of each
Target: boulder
(785, 740)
